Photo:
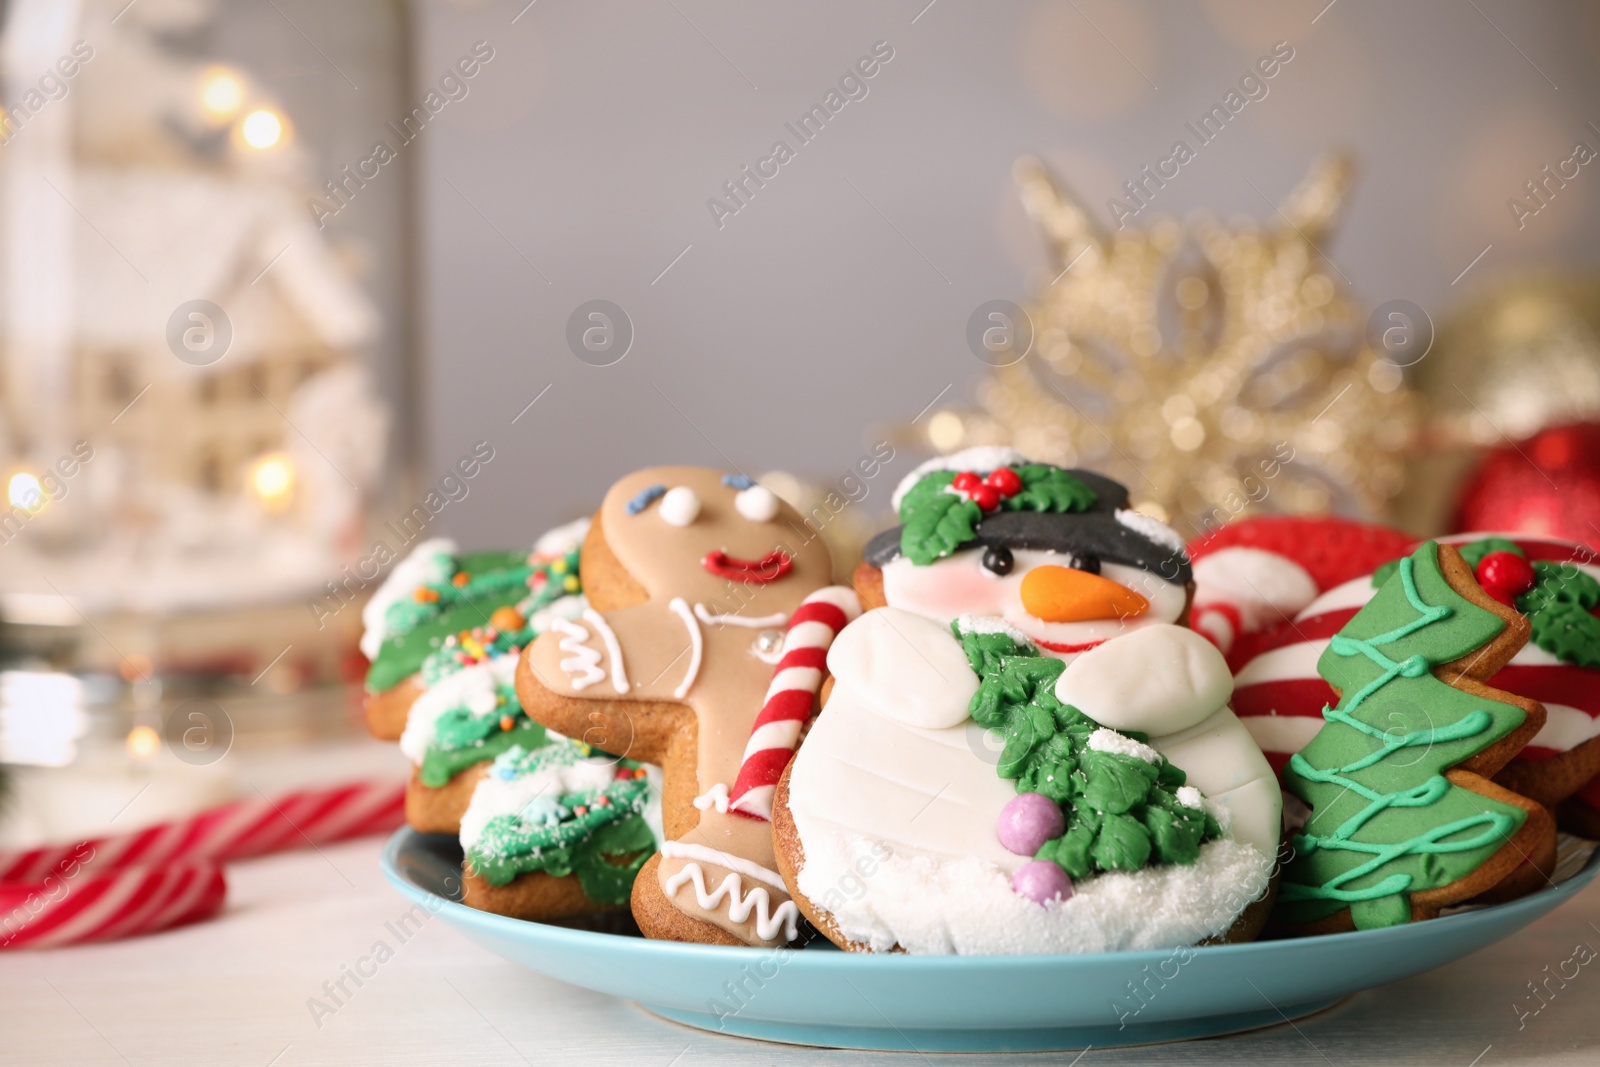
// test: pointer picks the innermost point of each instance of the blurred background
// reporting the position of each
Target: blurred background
(276, 273)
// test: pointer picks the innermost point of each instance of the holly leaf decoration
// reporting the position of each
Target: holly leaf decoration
(1046, 488)
(1122, 813)
(937, 527)
(1559, 609)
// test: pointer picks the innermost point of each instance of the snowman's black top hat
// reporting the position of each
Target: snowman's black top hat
(1106, 531)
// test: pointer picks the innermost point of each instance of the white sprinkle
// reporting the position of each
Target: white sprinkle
(1104, 740)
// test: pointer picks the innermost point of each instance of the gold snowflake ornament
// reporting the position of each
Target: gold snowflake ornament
(1216, 369)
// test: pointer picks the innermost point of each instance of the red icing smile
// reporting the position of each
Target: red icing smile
(1057, 646)
(768, 568)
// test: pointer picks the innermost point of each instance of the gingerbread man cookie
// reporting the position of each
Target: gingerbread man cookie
(692, 577)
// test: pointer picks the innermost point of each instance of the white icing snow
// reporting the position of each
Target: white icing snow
(498, 796)
(980, 460)
(476, 688)
(991, 624)
(943, 905)
(566, 608)
(1153, 529)
(1103, 740)
(430, 563)
(562, 539)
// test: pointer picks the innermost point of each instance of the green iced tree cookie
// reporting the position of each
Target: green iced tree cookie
(1386, 822)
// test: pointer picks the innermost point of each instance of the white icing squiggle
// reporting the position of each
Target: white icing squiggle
(696, 646)
(729, 618)
(619, 673)
(582, 663)
(768, 920)
(715, 797)
(689, 851)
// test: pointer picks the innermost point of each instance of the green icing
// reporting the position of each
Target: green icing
(603, 842)
(1122, 813)
(453, 654)
(417, 629)
(1559, 609)
(1386, 822)
(442, 763)
(937, 521)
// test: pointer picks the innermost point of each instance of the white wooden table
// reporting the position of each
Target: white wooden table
(235, 990)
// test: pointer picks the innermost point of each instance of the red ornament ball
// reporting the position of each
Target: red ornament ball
(1505, 576)
(1005, 481)
(966, 482)
(1547, 485)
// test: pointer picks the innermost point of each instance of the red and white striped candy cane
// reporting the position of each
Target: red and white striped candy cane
(169, 874)
(795, 682)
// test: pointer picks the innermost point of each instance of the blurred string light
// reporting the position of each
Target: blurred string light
(143, 742)
(24, 491)
(221, 93)
(272, 480)
(41, 717)
(262, 129)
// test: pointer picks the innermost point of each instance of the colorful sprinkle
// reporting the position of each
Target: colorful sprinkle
(645, 497)
(507, 722)
(461, 578)
(738, 481)
(571, 583)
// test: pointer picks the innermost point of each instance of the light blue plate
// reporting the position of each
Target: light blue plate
(821, 996)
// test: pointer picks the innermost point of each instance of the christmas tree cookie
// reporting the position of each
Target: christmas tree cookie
(558, 831)
(1405, 820)
(436, 593)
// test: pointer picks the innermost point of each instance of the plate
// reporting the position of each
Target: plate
(821, 996)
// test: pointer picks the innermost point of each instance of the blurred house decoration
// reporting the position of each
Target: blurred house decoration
(197, 376)
(1215, 368)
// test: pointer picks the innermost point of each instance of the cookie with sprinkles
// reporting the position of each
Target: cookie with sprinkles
(558, 831)
(437, 592)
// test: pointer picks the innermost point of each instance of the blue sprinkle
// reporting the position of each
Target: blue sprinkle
(646, 497)
(737, 481)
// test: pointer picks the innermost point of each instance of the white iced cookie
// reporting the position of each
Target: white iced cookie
(904, 667)
(1160, 679)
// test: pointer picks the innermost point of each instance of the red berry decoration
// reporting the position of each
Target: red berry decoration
(1005, 481)
(985, 497)
(1505, 576)
(966, 482)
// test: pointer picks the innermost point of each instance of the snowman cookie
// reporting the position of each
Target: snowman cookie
(1024, 748)
(694, 577)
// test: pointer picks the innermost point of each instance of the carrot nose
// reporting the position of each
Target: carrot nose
(1062, 594)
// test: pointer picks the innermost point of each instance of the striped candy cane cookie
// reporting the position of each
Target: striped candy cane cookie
(795, 681)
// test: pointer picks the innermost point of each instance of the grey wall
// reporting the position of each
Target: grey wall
(580, 164)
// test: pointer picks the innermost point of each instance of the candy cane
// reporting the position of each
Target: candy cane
(795, 682)
(169, 874)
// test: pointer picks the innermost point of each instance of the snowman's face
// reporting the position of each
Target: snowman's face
(1055, 598)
